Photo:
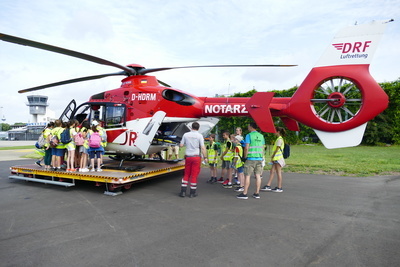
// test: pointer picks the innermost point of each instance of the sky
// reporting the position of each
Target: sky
(155, 33)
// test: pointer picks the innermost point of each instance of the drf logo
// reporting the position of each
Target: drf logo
(356, 47)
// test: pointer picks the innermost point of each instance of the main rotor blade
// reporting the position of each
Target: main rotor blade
(71, 81)
(60, 50)
(163, 83)
(145, 71)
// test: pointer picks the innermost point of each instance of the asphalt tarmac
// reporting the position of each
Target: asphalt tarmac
(317, 221)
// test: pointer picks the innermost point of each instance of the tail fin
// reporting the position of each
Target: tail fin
(353, 45)
(339, 96)
(258, 107)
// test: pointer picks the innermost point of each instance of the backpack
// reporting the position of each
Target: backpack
(103, 135)
(286, 151)
(95, 140)
(41, 141)
(78, 139)
(65, 136)
(54, 141)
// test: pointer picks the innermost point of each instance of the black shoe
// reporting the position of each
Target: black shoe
(182, 194)
(242, 196)
(192, 193)
(38, 163)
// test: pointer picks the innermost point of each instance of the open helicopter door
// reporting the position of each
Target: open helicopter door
(145, 137)
(206, 125)
(66, 115)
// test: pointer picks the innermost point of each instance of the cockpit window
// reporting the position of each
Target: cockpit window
(115, 116)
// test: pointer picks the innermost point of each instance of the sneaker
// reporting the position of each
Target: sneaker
(220, 180)
(84, 170)
(266, 188)
(225, 182)
(256, 195)
(242, 196)
(214, 180)
(38, 163)
(99, 170)
(277, 190)
(211, 180)
(240, 189)
(93, 170)
(228, 185)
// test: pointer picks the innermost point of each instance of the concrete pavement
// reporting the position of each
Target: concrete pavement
(317, 221)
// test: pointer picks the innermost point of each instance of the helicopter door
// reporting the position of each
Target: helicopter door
(66, 115)
(145, 138)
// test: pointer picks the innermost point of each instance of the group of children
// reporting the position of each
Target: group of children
(69, 145)
(231, 154)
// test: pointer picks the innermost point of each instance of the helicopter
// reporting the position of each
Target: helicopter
(144, 115)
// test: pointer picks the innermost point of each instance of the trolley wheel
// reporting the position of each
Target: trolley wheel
(113, 188)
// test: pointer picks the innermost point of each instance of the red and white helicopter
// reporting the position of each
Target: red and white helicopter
(337, 98)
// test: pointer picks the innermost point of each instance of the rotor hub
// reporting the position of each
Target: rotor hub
(339, 100)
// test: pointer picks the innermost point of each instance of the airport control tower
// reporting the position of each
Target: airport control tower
(38, 108)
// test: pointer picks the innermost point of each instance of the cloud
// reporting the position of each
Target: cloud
(179, 33)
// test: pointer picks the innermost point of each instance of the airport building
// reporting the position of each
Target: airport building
(41, 115)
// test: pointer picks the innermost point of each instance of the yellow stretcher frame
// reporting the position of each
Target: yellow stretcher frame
(115, 178)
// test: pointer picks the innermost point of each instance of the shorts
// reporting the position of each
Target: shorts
(70, 146)
(253, 166)
(94, 153)
(100, 149)
(59, 152)
(83, 149)
(240, 169)
(226, 164)
(213, 164)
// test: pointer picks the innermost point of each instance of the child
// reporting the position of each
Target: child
(71, 147)
(84, 151)
(238, 163)
(95, 148)
(277, 161)
(226, 157)
(212, 151)
(58, 151)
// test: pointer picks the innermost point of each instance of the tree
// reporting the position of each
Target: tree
(5, 127)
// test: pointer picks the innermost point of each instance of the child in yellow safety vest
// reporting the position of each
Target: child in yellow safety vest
(238, 162)
(227, 157)
(212, 155)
